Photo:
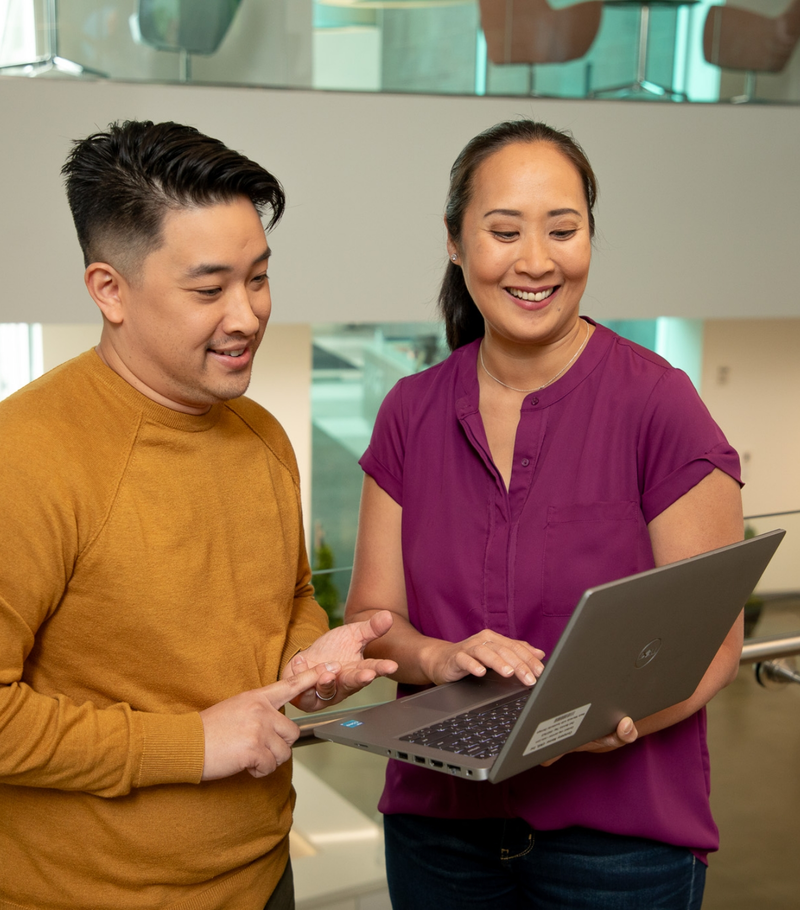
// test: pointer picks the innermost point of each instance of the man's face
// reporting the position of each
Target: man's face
(195, 313)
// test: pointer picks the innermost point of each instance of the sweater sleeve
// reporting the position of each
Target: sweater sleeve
(48, 739)
(308, 620)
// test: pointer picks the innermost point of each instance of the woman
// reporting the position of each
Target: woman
(544, 456)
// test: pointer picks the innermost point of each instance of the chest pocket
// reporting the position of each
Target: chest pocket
(589, 544)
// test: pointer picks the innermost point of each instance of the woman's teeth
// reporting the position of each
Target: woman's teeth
(535, 298)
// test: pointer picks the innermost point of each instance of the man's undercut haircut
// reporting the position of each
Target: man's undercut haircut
(121, 183)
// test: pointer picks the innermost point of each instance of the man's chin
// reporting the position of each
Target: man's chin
(227, 391)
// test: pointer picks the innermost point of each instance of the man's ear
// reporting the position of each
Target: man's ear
(106, 286)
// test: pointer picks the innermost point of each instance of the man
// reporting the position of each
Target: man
(155, 606)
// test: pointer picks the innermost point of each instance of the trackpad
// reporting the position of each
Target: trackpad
(466, 693)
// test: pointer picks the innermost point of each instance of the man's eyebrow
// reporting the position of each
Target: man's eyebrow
(213, 268)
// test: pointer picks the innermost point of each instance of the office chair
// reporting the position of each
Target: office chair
(740, 39)
(531, 31)
(183, 26)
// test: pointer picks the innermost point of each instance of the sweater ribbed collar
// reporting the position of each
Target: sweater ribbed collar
(151, 410)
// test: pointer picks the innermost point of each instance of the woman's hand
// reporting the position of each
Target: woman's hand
(445, 661)
(625, 734)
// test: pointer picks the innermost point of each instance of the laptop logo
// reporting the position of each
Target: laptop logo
(647, 653)
(353, 723)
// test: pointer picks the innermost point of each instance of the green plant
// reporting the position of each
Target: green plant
(325, 591)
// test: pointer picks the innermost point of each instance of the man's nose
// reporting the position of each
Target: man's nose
(240, 316)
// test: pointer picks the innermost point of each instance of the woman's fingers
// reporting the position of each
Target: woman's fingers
(486, 651)
(510, 658)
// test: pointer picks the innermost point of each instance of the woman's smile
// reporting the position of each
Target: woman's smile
(532, 296)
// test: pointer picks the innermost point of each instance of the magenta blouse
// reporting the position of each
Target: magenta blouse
(598, 454)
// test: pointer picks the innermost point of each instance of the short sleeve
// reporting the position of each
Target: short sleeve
(385, 455)
(679, 444)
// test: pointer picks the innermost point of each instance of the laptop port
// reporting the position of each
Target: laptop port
(419, 759)
(468, 772)
(454, 768)
(403, 755)
(362, 746)
(436, 764)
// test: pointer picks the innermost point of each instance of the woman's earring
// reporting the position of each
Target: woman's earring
(454, 257)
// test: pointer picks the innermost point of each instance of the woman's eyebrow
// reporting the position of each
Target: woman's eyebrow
(511, 212)
(554, 213)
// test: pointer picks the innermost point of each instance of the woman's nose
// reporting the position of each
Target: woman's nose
(534, 257)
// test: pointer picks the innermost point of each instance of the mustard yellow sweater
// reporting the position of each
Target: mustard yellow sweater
(151, 564)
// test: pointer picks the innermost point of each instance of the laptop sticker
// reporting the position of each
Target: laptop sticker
(554, 730)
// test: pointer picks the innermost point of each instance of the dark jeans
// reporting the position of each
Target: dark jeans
(443, 864)
(283, 896)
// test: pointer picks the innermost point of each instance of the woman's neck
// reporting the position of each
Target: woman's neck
(530, 368)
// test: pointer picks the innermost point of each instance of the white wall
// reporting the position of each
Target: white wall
(751, 384)
(281, 382)
(699, 211)
(65, 341)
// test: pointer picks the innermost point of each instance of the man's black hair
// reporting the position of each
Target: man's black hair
(122, 182)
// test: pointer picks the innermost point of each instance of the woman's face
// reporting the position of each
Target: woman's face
(525, 246)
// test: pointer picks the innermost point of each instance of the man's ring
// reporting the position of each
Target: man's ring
(322, 697)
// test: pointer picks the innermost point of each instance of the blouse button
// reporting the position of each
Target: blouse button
(525, 462)
(534, 402)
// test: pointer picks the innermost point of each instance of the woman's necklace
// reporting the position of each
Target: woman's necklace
(549, 381)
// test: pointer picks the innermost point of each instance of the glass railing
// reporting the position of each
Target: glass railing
(667, 50)
(353, 367)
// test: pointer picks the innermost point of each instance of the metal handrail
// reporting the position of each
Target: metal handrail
(772, 515)
(756, 649)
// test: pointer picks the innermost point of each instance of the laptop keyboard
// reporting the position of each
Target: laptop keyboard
(480, 733)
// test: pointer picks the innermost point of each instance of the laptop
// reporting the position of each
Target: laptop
(632, 647)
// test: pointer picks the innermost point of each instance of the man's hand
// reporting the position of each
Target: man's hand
(247, 732)
(343, 646)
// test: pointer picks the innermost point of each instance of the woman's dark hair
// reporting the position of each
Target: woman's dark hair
(122, 182)
(463, 321)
